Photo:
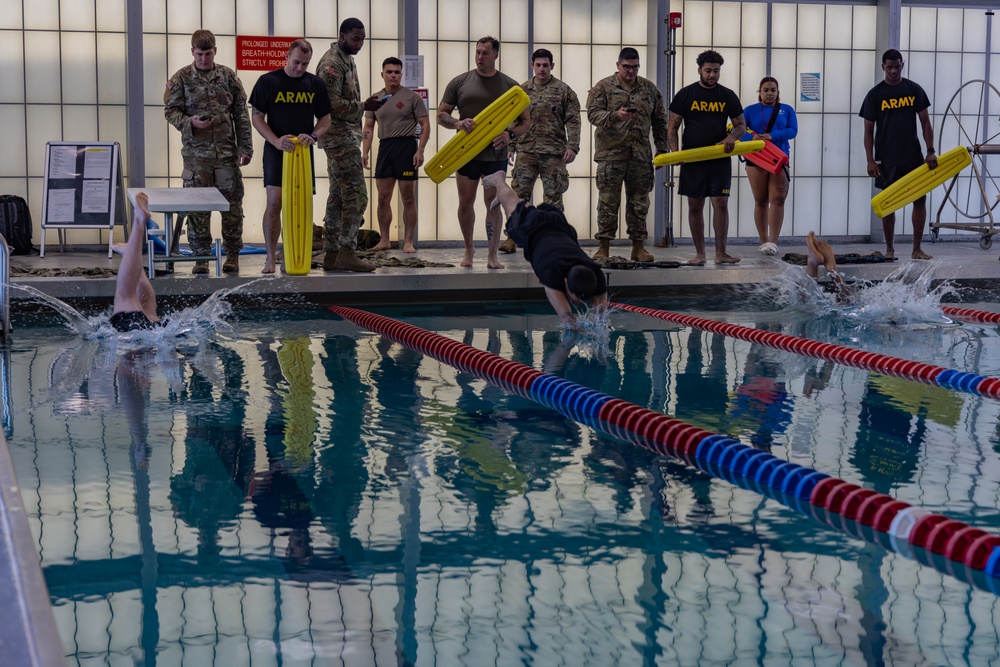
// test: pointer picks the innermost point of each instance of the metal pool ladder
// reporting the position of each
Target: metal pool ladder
(4, 289)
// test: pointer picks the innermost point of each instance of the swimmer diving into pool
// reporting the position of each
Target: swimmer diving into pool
(819, 253)
(135, 300)
(550, 245)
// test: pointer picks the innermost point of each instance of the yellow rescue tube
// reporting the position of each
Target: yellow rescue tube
(707, 153)
(920, 181)
(464, 146)
(296, 210)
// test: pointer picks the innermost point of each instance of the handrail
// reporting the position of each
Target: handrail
(4, 289)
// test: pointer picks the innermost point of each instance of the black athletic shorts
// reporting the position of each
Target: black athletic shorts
(891, 174)
(273, 159)
(132, 320)
(526, 219)
(710, 178)
(395, 159)
(476, 169)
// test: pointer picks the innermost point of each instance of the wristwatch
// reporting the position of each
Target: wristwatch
(510, 133)
(930, 149)
(315, 140)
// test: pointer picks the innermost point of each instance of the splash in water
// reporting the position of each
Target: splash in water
(904, 297)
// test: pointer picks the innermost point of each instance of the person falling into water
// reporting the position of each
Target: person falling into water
(135, 299)
(551, 247)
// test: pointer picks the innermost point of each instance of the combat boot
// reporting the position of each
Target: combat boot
(604, 250)
(330, 260)
(232, 263)
(639, 253)
(200, 268)
(348, 261)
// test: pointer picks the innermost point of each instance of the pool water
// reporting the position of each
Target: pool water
(286, 488)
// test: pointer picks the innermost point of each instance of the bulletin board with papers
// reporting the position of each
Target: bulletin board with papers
(83, 188)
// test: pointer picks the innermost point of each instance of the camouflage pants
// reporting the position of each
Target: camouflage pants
(637, 177)
(227, 178)
(348, 200)
(550, 168)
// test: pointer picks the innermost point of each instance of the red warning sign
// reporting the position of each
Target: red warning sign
(262, 53)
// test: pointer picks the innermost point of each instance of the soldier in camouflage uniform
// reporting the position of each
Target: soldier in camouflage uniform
(623, 109)
(207, 103)
(348, 198)
(552, 140)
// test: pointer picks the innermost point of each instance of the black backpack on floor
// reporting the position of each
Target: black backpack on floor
(15, 224)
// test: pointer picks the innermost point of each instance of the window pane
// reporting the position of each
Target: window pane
(859, 211)
(484, 19)
(950, 34)
(428, 21)
(383, 19)
(80, 122)
(184, 16)
(808, 145)
(974, 31)
(864, 27)
(290, 20)
(76, 16)
(154, 15)
(11, 18)
(157, 148)
(862, 77)
(754, 69)
(726, 16)
(44, 123)
(155, 72)
(834, 209)
(112, 124)
(811, 21)
(783, 25)
(836, 146)
(837, 78)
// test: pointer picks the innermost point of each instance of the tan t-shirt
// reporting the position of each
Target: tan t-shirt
(398, 116)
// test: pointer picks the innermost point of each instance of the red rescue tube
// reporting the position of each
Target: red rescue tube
(770, 158)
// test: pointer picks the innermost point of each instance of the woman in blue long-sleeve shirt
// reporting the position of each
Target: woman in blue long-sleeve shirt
(769, 190)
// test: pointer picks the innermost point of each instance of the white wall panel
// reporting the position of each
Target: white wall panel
(155, 73)
(836, 82)
(155, 140)
(974, 31)
(808, 145)
(11, 17)
(950, 36)
(79, 68)
(219, 16)
(548, 21)
(111, 68)
(251, 17)
(785, 70)
(839, 26)
(862, 77)
(578, 206)
(754, 25)
(428, 21)
(514, 21)
(77, 16)
(41, 15)
(859, 209)
(184, 16)
(290, 20)
(697, 23)
(383, 18)
(111, 124)
(452, 60)
(41, 66)
(635, 21)
(576, 21)
(805, 209)
(79, 122)
(12, 118)
(744, 77)
(836, 149)
(453, 20)
(725, 18)
(607, 16)
(154, 15)
(11, 67)
(864, 27)
(973, 67)
(940, 75)
(44, 124)
(321, 18)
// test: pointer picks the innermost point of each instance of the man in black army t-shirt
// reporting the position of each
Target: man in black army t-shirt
(706, 108)
(890, 111)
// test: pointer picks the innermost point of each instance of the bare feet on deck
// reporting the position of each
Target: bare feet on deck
(723, 258)
(268, 264)
(697, 260)
(382, 245)
(920, 254)
(409, 248)
(467, 260)
(890, 253)
(493, 262)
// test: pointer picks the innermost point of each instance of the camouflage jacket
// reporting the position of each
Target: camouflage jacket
(217, 94)
(555, 119)
(617, 140)
(339, 74)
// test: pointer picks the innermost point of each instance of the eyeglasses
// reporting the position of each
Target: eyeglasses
(631, 68)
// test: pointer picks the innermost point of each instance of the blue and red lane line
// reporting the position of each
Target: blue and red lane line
(902, 368)
(862, 512)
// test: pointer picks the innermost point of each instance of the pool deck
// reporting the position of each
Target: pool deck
(963, 261)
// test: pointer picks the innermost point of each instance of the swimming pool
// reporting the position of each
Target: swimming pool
(301, 491)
